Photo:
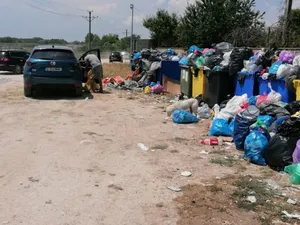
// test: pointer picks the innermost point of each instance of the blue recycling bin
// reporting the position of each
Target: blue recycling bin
(246, 83)
(169, 69)
(278, 86)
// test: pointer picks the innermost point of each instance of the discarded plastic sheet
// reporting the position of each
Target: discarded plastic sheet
(86, 142)
(173, 188)
(143, 147)
(291, 216)
(186, 174)
(291, 201)
(204, 152)
(251, 199)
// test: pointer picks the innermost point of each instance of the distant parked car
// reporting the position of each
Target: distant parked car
(54, 67)
(125, 55)
(115, 57)
(13, 60)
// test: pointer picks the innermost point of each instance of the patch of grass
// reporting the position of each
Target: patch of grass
(226, 161)
(116, 69)
(214, 188)
(179, 139)
(160, 147)
(266, 201)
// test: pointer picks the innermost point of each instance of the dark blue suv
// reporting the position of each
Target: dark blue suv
(54, 67)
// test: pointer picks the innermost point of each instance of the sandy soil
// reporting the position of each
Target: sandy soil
(67, 161)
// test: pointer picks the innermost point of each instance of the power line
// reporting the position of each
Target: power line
(139, 11)
(49, 11)
(60, 3)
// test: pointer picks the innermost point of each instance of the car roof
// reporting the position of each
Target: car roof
(58, 47)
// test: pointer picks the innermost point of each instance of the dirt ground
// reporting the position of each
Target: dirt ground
(67, 161)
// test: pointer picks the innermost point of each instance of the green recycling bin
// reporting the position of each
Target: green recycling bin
(186, 81)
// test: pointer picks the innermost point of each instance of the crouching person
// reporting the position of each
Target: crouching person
(96, 72)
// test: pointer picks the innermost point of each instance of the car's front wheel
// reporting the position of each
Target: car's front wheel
(27, 92)
(18, 69)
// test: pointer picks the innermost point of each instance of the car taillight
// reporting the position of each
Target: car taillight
(29, 63)
(4, 59)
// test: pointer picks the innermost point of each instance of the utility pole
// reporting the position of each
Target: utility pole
(90, 18)
(131, 39)
(126, 33)
(286, 26)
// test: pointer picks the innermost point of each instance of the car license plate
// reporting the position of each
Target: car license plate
(53, 69)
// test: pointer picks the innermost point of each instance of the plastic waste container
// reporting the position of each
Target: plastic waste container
(186, 81)
(278, 86)
(218, 87)
(246, 83)
(297, 87)
(170, 69)
(198, 83)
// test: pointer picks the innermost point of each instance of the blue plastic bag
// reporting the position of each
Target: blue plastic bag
(255, 146)
(221, 127)
(241, 130)
(170, 51)
(137, 55)
(274, 68)
(183, 116)
(252, 100)
(183, 61)
(264, 121)
(193, 48)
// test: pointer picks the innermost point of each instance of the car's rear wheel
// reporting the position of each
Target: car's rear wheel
(27, 92)
(78, 92)
(18, 69)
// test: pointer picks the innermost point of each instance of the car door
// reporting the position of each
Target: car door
(82, 62)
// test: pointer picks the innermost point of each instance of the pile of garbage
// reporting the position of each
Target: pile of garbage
(216, 58)
(145, 66)
(264, 128)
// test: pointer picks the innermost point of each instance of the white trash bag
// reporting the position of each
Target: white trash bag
(204, 112)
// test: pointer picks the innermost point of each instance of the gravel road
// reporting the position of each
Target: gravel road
(66, 161)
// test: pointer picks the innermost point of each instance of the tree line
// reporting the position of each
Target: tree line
(207, 22)
(110, 42)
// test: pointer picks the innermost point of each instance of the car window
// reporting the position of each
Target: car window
(53, 54)
(3, 54)
(17, 54)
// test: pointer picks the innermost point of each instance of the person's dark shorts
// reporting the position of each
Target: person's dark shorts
(97, 73)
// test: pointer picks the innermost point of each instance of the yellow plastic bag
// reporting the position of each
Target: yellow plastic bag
(147, 90)
(88, 84)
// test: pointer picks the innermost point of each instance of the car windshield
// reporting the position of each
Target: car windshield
(53, 54)
(116, 53)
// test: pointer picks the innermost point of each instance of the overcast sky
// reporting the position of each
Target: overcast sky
(26, 18)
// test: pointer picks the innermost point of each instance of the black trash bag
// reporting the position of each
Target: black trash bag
(212, 61)
(241, 131)
(273, 110)
(237, 58)
(289, 127)
(280, 149)
(293, 107)
(146, 53)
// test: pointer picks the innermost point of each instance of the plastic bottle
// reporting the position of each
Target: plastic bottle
(212, 141)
